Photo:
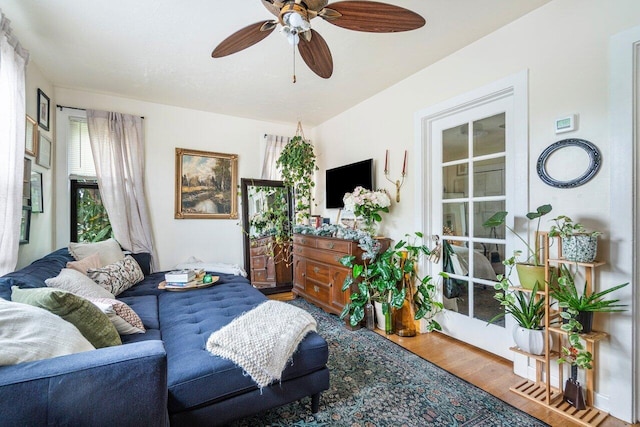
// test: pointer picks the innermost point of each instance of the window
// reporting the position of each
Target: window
(89, 219)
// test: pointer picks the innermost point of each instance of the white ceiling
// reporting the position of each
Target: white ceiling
(160, 51)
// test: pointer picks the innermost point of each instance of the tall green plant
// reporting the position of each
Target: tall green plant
(297, 163)
(380, 280)
(498, 219)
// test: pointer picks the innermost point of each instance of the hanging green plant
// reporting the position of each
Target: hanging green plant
(297, 163)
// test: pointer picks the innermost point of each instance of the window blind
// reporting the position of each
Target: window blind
(79, 157)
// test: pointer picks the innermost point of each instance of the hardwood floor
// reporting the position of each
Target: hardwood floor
(485, 370)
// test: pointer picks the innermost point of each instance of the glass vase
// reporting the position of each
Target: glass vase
(369, 316)
(388, 318)
(405, 316)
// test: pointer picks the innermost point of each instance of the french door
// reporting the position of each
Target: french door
(471, 162)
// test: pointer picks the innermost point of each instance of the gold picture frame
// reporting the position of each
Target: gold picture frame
(31, 137)
(206, 185)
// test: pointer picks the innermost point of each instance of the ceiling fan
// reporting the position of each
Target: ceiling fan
(295, 17)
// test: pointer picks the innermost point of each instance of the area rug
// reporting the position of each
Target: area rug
(375, 382)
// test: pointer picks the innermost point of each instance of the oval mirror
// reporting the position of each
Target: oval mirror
(593, 158)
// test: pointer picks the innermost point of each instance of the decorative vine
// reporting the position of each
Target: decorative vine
(297, 163)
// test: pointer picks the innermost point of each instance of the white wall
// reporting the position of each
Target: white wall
(167, 128)
(564, 46)
(40, 236)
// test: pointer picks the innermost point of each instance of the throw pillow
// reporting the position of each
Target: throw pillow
(108, 250)
(117, 277)
(29, 333)
(77, 283)
(90, 321)
(92, 261)
(122, 316)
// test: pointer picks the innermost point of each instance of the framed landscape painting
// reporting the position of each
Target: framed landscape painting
(206, 185)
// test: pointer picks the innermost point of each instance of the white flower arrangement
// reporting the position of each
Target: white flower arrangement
(367, 204)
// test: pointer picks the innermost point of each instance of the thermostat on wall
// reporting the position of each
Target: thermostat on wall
(566, 124)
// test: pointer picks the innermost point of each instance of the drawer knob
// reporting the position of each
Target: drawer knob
(316, 270)
(332, 245)
(316, 289)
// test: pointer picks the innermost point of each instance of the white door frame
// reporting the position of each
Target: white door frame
(625, 209)
(515, 87)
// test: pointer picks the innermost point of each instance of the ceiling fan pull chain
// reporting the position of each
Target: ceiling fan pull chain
(294, 63)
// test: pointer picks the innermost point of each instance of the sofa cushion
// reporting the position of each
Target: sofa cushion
(92, 261)
(90, 321)
(30, 333)
(125, 320)
(144, 261)
(188, 319)
(73, 281)
(109, 251)
(146, 307)
(34, 275)
(119, 276)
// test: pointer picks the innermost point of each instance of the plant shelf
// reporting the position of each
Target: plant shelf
(541, 357)
(538, 393)
(543, 392)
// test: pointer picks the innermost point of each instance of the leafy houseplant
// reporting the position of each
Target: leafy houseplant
(578, 244)
(527, 310)
(532, 270)
(273, 221)
(381, 279)
(564, 290)
(297, 163)
(498, 219)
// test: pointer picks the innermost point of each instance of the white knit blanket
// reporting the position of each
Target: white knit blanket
(262, 340)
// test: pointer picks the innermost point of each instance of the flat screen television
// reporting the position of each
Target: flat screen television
(344, 179)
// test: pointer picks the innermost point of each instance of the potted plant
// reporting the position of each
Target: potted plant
(297, 163)
(528, 310)
(577, 244)
(531, 271)
(578, 308)
(577, 314)
(388, 280)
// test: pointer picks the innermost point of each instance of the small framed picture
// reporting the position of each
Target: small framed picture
(31, 137)
(206, 185)
(25, 225)
(44, 152)
(43, 110)
(462, 169)
(36, 192)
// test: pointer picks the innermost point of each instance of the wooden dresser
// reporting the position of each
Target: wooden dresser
(317, 273)
(267, 274)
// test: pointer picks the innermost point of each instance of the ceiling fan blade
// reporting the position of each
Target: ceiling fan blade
(271, 7)
(316, 55)
(371, 16)
(246, 37)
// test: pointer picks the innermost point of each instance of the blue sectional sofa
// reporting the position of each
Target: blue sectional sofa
(164, 376)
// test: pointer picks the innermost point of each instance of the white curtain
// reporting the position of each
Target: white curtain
(13, 65)
(274, 147)
(117, 143)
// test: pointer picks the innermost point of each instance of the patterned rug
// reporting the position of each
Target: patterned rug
(375, 382)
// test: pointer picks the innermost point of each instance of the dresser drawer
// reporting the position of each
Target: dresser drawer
(259, 275)
(317, 291)
(258, 250)
(318, 272)
(304, 240)
(321, 255)
(258, 262)
(343, 246)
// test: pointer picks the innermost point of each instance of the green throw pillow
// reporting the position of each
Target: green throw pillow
(90, 321)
